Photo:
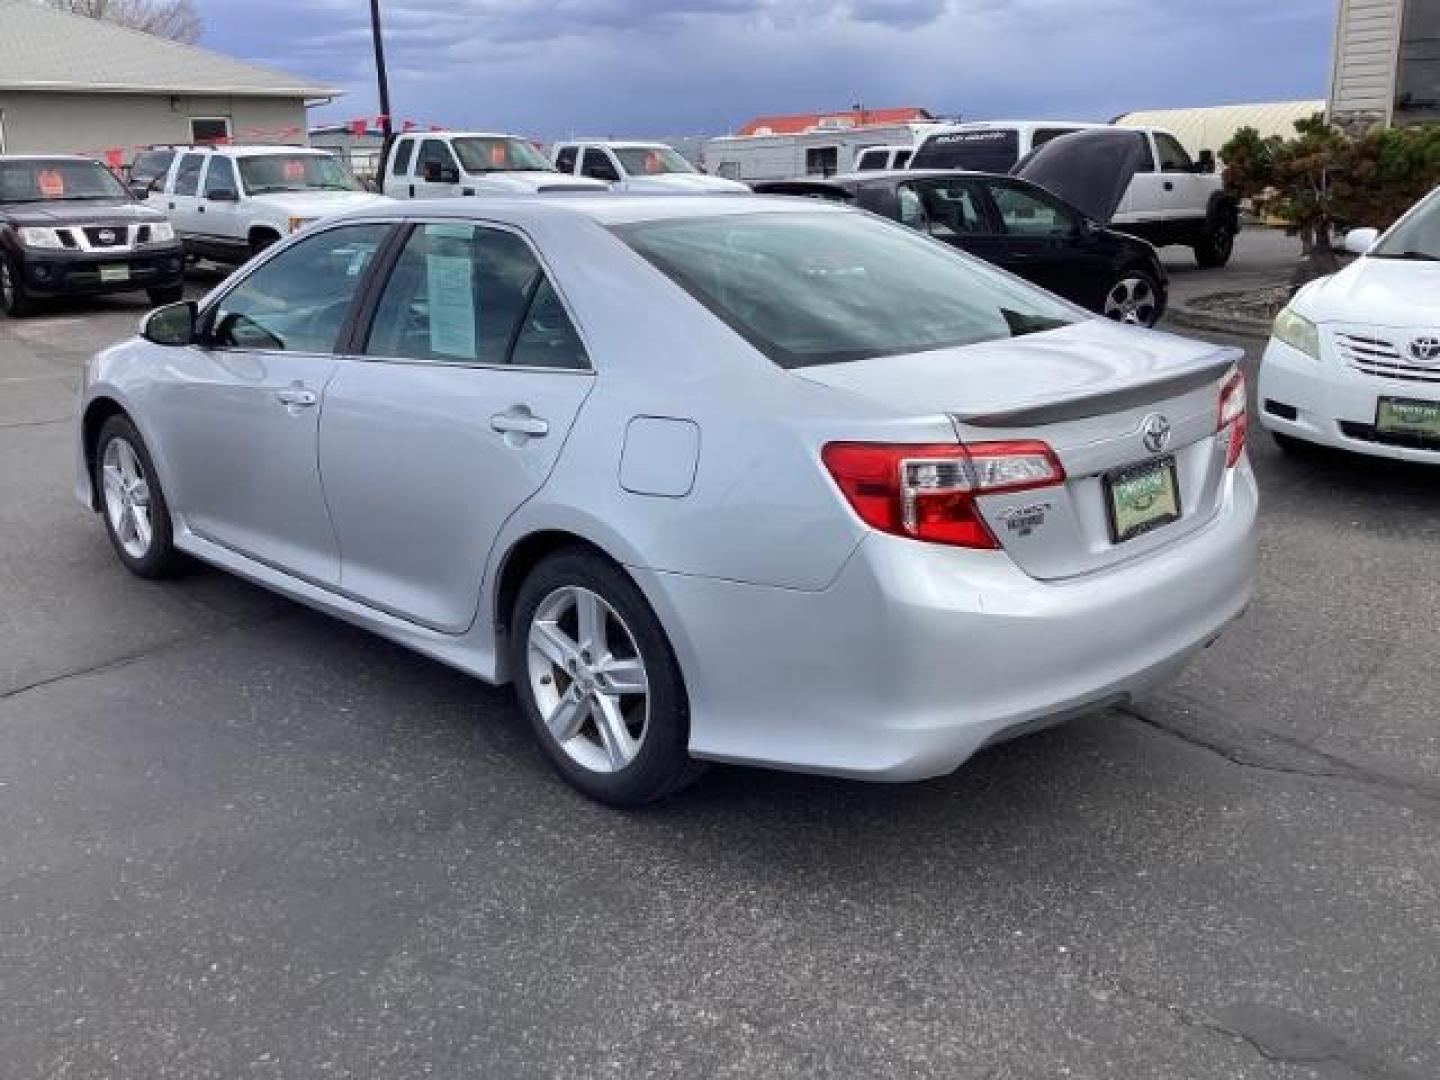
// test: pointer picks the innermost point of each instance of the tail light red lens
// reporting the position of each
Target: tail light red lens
(928, 491)
(1234, 415)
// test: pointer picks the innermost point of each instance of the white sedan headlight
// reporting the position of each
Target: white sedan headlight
(162, 232)
(1298, 332)
(33, 236)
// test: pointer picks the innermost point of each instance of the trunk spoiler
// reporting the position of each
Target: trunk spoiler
(1209, 369)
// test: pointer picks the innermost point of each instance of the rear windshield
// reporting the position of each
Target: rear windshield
(57, 180)
(994, 151)
(812, 287)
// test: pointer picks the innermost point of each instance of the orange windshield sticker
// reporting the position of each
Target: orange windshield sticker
(50, 183)
(497, 154)
(294, 169)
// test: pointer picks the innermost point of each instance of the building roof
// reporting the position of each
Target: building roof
(45, 49)
(1211, 127)
(849, 118)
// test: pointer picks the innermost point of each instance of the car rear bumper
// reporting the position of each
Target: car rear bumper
(1331, 405)
(919, 655)
(63, 273)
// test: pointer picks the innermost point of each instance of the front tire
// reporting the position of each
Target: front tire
(137, 517)
(598, 681)
(1215, 247)
(14, 301)
(1134, 299)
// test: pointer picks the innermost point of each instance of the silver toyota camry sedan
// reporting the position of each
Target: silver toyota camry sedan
(723, 478)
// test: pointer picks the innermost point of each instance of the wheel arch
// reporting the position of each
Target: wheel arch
(1223, 209)
(99, 410)
(522, 557)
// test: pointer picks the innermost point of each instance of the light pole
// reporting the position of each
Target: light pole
(386, 129)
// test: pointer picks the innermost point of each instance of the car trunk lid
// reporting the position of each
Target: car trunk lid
(1094, 393)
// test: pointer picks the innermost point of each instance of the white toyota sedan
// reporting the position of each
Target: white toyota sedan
(1354, 360)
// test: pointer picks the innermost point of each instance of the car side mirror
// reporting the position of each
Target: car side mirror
(437, 172)
(1206, 162)
(173, 324)
(223, 195)
(1360, 241)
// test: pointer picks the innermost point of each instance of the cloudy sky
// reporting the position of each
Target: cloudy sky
(549, 68)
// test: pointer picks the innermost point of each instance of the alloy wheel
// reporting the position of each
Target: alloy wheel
(1132, 300)
(127, 497)
(588, 679)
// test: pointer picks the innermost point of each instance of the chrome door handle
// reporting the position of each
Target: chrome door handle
(519, 421)
(297, 397)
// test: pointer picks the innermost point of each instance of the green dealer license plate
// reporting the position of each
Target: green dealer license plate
(119, 272)
(1141, 498)
(1403, 416)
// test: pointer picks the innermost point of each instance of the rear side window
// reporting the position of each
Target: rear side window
(298, 301)
(951, 208)
(1173, 156)
(187, 176)
(1043, 135)
(467, 294)
(565, 159)
(815, 287)
(400, 161)
(902, 158)
(220, 177)
(995, 151)
(870, 160)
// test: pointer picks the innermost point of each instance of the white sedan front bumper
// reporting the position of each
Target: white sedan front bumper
(1328, 402)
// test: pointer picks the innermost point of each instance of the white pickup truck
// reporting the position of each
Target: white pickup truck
(1173, 199)
(454, 164)
(641, 167)
(229, 202)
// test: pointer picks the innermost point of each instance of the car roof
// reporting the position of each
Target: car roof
(603, 207)
(243, 150)
(49, 157)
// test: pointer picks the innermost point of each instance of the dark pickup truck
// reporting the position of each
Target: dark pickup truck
(68, 227)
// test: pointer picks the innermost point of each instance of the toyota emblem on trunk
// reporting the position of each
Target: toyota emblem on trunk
(1155, 432)
(1425, 350)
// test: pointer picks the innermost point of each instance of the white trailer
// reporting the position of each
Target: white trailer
(821, 151)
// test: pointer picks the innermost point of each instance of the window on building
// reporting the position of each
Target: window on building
(1417, 82)
(209, 129)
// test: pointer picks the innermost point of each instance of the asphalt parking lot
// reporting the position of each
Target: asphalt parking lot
(240, 839)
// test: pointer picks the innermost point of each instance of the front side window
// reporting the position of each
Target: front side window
(187, 174)
(500, 154)
(466, 294)
(813, 287)
(1173, 156)
(950, 207)
(565, 159)
(266, 174)
(400, 163)
(651, 160)
(151, 165)
(220, 177)
(870, 161)
(902, 158)
(298, 300)
(994, 150)
(596, 164)
(57, 180)
(1028, 211)
(1416, 237)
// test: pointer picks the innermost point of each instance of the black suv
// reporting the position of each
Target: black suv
(68, 227)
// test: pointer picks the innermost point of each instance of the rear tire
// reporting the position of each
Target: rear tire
(137, 517)
(1215, 247)
(598, 681)
(14, 301)
(166, 294)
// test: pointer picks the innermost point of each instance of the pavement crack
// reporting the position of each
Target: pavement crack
(1267, 752)
(35, 423)
(126, 659)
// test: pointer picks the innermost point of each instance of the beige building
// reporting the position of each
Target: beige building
(75, 85)
(1386, 66)
(1211, 127)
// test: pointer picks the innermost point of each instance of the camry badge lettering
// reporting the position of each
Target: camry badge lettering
(1023, 520)
(1155, 432)
(1425, 350)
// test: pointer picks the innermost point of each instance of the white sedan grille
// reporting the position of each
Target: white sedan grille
(1374, 354)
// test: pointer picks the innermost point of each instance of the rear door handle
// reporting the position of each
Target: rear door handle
(520, 421)
(297, 397)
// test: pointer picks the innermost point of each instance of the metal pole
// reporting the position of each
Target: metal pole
(386, 128)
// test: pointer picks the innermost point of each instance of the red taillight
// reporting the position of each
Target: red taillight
(927, 491)
(1235, 415)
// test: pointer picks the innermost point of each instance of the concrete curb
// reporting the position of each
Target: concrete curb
(1193, 319)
